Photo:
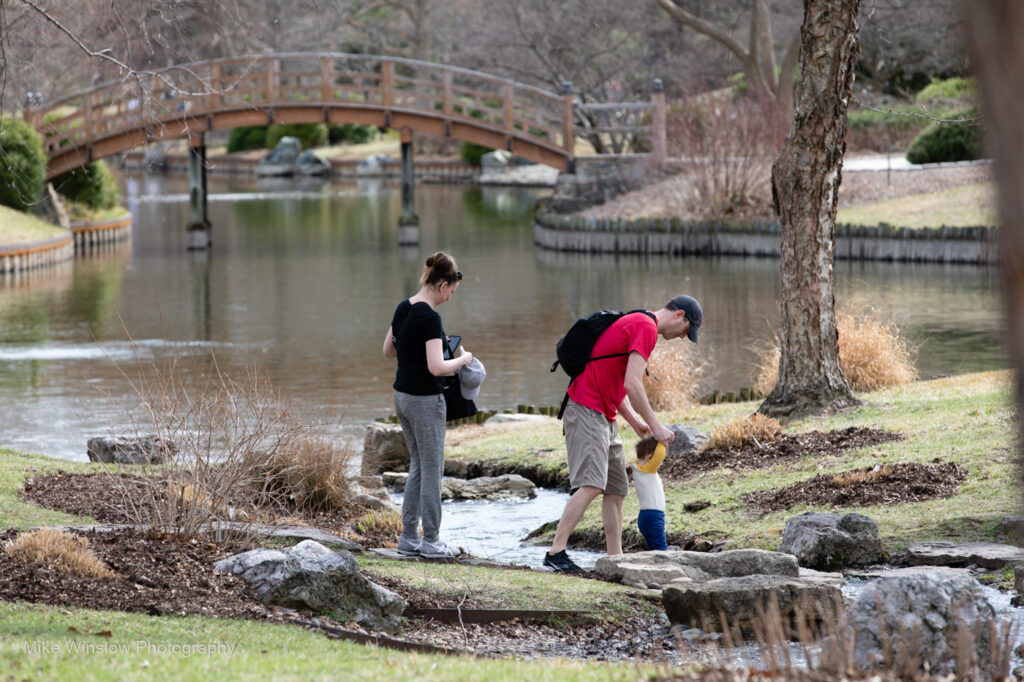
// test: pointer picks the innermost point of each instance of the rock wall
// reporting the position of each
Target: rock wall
(976, 245)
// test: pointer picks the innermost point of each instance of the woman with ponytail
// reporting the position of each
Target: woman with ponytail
(417, 340)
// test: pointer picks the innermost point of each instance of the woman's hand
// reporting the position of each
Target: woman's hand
(466, 357)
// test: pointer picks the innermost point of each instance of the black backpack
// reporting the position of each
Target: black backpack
(573, 350)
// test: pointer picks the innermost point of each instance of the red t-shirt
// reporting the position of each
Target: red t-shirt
(601, 386)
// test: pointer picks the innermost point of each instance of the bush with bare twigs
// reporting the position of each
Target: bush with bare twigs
(873, 355)
(240, 448)
(66, 552)
(674, 374)
(726, 145)
(741, 431)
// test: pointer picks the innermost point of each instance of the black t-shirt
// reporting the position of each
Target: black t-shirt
(412, 325)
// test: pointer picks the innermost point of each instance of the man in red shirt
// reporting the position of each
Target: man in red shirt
(607, 387)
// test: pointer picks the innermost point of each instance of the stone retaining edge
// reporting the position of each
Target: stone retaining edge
(675, 236)
(22, 257)
(90, 235)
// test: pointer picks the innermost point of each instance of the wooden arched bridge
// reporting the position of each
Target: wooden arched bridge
(408, 95)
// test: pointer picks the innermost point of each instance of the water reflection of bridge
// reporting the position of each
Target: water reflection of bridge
(189, 100)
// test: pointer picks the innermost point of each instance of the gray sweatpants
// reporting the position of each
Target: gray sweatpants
(423, 423)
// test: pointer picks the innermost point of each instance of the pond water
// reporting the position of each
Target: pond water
(304, 275)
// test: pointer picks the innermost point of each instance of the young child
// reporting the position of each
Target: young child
(649, 455)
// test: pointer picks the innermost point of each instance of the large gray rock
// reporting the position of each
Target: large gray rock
(687, 440)
(983, 554)
(372, 165)
(384, 449)
(915, 618)
(310, 576)
(309, 163)
(661, 567)
(281, 160)
(148, 449)
(830, 541)
(744, 599)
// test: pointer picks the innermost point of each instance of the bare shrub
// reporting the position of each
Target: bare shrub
(872, 353)
(229, 435)
(726, 146)
(66, 552)
(380, 528)
(674, 374)
(741, 431)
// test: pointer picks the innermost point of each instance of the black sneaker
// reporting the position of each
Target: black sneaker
(561, 563)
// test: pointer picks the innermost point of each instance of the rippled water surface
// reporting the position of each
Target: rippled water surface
(303, 278)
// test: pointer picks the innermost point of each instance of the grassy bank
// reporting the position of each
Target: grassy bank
(47, 643)
(22, 228)
(968, 206)
(965, 419)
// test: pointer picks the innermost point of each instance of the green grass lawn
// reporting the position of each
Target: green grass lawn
(21, 228)
(965, 419)
(48, 643)
(967, 206)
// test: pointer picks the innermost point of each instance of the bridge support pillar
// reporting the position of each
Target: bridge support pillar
(199, 227)
(408, 222)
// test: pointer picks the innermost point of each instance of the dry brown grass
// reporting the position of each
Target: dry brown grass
(380, 528)
(854, 477)
(63, 551)
(312, 473)
(741, 431)
(674, 374)
(872, 353)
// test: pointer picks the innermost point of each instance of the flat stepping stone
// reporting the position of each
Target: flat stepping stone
(983, 554)
(304, 533)
(392, 553)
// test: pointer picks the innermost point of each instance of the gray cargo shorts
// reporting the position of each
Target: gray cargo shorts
(596, 455)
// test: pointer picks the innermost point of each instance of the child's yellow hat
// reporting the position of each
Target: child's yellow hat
(654, 462)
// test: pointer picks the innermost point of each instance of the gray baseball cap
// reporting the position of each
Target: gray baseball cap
(694, 314)
(470, 378)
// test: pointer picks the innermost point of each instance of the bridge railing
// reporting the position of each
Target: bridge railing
(173, 96)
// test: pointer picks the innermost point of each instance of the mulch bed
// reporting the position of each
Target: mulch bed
(102, 496)
(155, 575)
(786, 447)
(891, 484)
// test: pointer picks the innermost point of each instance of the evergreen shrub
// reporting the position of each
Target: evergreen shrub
(941, 141)
(351, 133)
(471, 152)
(247, 138)
(92, 185)
(309, 134)
(22, 164)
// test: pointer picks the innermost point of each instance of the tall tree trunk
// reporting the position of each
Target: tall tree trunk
(805, 184)
(997, 54)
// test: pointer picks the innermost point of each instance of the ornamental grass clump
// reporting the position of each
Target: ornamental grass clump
(756, 429)
(380, 528)
(66, 552)
(673, 377)
(872, 354)
(311, 473)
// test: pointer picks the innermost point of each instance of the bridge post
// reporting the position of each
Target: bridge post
(198, 223)
(659, 143)
(408, 222)
(568, 124)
